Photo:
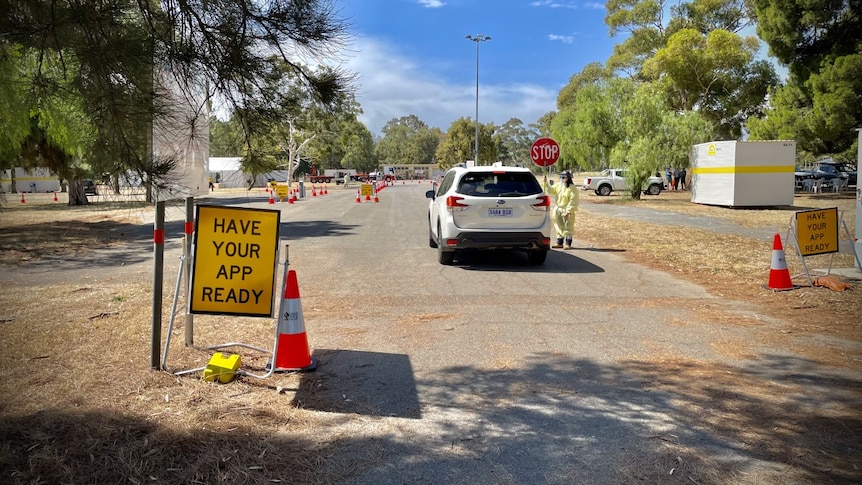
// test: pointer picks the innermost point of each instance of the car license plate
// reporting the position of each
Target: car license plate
(500, 212)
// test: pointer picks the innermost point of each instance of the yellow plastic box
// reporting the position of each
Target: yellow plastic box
(222, 367)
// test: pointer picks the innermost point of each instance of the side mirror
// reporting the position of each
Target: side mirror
(429, 194)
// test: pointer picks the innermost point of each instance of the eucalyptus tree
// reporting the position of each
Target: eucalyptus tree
(650, 23)
(698, 52)
(406, 140)
(543, 124)
(357, 143)
(513, 141)
(457, 147)
(590, 127)
(655, 136)
(715, 74)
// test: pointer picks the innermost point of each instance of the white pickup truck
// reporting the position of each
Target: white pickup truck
(614, 179)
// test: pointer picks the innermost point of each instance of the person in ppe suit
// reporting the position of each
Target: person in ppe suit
(565, 205)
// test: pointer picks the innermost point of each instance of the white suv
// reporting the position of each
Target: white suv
(489, 208)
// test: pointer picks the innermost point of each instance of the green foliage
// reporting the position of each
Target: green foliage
(513, 142)
(697, 55)
(543, 124)
(643, 21)
(98, 58)
(708, 15)
(591, 74)
(804, 34)
(226, 137)
(407, 140)
(589, 129)
(715, 74)
(820, 106)
(457, 146)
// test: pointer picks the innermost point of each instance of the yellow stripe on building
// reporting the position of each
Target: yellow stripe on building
(751, 169)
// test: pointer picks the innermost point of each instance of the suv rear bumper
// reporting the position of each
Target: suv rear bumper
(501, 240)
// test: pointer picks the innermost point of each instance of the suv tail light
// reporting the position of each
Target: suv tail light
(543, 203)
(588, 181)
(453, 203)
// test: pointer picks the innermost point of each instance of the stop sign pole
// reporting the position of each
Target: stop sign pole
(545, 152)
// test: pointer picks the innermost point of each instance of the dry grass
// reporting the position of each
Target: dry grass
(76, 407)
(730, 265)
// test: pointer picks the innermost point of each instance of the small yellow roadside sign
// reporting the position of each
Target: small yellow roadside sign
(367, 189)
(817, 231)
(281, 191)
(235, 257)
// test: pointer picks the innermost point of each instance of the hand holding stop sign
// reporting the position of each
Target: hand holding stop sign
(545, 152)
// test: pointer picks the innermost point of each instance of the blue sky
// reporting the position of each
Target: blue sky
(411, 56)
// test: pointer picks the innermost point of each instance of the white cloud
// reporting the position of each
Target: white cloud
(391, 86)
(569, 5)
(431, 3)
(554, 4)
(565, 39)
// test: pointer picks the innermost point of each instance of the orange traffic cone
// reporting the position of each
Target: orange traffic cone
(358, 197)
(290, 197)
(313, 191)
(779, 275)
(22, 198)
(324, 192)
(271, 198)
(55, 197)
(291, 350)
(375, 197)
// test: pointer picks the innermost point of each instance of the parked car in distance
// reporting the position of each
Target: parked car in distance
(489, 208)
(827, 169)
(90, 187)
(615, 179)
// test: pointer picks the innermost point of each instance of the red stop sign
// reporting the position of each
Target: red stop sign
(545, 152)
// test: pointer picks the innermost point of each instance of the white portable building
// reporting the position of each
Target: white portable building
(29, 180)
(743, 173)
(227, 174)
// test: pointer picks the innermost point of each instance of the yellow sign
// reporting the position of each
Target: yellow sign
(710, 150)
(817, 231)
(281, 191)
(236, 251)
(367, 189)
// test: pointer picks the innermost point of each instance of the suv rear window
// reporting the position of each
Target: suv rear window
(498, 184)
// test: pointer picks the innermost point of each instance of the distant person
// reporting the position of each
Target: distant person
(682, 181)
(676, 179)
(346, 180)
(669, 177)
(566, 204)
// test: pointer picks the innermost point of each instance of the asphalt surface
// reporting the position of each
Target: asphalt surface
(493, 370)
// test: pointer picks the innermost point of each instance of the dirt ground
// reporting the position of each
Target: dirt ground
(75, 407)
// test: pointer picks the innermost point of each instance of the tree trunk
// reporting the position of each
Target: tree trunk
(76, 193)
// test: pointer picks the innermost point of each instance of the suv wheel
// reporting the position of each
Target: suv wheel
(653, 189)
(537, 257)
(431, 241)
(604, 190)
(444, 257)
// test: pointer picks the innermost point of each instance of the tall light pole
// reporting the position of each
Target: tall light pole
(477, 38)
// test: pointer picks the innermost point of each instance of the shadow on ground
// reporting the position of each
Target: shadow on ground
(550, 421)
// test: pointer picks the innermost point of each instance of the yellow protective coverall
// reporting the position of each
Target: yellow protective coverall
(565, 205)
